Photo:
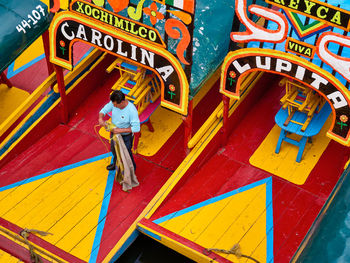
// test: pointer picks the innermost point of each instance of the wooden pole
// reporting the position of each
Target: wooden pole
(226, 102)
(46, 44)
(188, 126)
(62, 90)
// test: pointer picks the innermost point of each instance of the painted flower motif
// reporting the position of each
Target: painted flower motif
(232, 74)
(62, 44)
(171, 87)
(152, 11)
(343, 118)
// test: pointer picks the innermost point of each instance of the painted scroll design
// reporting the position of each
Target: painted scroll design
(340, 64)
(170, 26)
(258, 33)
(136, 13)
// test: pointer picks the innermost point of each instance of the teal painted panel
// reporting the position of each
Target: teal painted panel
(330, 239)
(22, 22)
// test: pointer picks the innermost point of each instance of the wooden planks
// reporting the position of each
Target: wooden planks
(66, 203)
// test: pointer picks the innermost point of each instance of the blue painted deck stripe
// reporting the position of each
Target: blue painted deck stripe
(269, 221)
(11, 72)
(211, 200)
(102, 217)
(58, 170)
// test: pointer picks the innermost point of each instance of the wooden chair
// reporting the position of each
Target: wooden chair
(302, 99)
(141, 87)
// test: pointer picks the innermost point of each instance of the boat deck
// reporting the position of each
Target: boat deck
(231, 203)
(60, 184)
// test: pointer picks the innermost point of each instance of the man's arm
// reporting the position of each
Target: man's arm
(101, 121)
(107, 108)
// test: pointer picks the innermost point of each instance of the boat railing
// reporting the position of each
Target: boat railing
(9, 128)
(215, 119)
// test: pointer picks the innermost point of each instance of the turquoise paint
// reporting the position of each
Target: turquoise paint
(102, 217)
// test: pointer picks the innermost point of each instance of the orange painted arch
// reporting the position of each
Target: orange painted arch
(234, 92)
(62, 17)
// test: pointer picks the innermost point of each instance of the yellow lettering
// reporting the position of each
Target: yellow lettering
(118, 22)
(80, 9)
(301, 49)
(308, 52)
(291, 44)
(294, 4)
(152, 35)
(104, 16)
(309, 5)
(319, 10)
(132, 30)
(336, 18)
(110, 19)
(126, 25)
(94, 15)
(140, 32)
(88, 10)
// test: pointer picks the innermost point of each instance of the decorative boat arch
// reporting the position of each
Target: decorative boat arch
(241, 62)
(68, 27)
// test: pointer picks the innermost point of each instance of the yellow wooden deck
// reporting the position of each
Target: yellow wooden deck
(242, 216)
(66, 202)
(284, 164)
(10, 99)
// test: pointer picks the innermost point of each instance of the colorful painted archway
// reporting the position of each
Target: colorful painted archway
(241, 62)
(68, 27)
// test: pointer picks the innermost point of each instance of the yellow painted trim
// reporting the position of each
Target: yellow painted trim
(218, 112)
(66, 15)
(347, 164)
(177, 246)
(39, 119)
(27, 103)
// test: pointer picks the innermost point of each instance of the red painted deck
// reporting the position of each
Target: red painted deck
(294, 207)
(78, 141)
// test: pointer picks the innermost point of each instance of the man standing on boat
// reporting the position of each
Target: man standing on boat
(125, 120)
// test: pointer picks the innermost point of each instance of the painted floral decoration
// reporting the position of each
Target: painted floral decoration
(62, 46)
(343, 118)
(232, 74)
(231, 77)
(171, 87)
(152, 11)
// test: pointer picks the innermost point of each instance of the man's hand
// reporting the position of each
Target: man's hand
(102, 123)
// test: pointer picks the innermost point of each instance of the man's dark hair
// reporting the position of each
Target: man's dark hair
(117, 96)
